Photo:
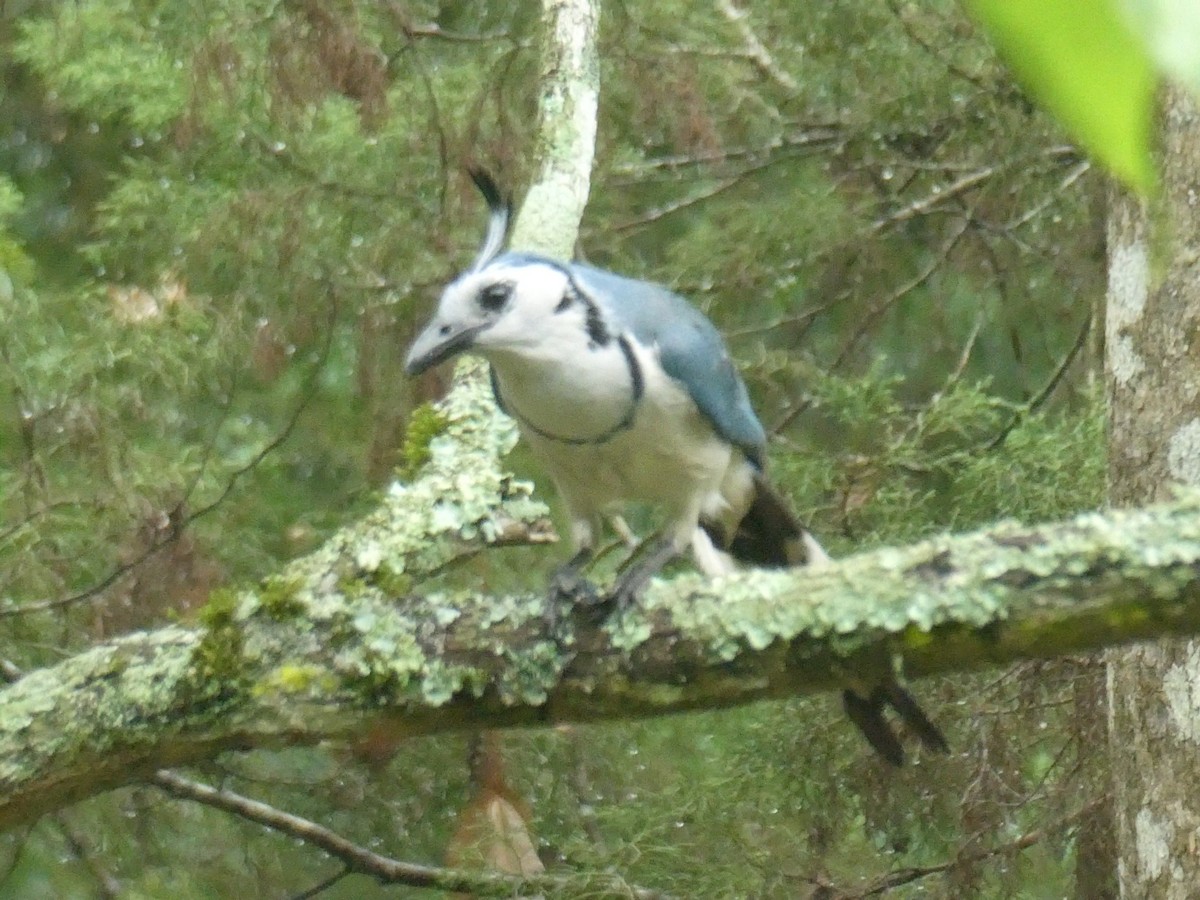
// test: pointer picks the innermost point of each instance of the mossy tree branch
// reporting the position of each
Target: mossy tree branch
(346, 639)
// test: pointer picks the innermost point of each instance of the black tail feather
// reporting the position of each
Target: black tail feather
(914, 718)
(769, 534)
(867, 714)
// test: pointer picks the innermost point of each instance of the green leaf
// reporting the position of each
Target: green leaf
(1171, 31)
(1083, 62)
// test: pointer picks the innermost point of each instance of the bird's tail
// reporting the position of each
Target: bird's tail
(771, 535)
(866, 712)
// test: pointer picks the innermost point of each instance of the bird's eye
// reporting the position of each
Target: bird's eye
(493, 297)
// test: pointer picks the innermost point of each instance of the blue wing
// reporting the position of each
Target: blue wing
(690, 348)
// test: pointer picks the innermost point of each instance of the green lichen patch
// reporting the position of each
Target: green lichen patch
(279, 598)
(390, 582)
(292, 678)
(220, 609)
(531, 674)
(217, 656)
(974, 581)
(461, 500)
(425, 423)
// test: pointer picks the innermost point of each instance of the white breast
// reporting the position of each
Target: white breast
(581, 395)
(669, 455)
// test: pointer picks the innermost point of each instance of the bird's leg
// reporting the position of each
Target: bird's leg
(569, 589)
(651, 557)
(624, 538)
(568, 581)
(638, 550)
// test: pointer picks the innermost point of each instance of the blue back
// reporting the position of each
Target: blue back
(690, 347)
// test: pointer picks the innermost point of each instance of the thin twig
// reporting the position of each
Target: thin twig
(699, 197)
(814, 136)
(1048, 388)
(584, 794)
(756, 51)
(1076, 172)
(278, 151)
(902, 877)
(935, 262)
(322, 885)
(933, 199)
(404, 21)
(932, 51)
(359, 859)
(107, 885)
(674, 206)
(438, 125)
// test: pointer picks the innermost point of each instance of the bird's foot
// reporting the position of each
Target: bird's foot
(649, 562)
(570, 591)
(569, 586)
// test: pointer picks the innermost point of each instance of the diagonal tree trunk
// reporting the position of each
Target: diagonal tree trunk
(1153, 363)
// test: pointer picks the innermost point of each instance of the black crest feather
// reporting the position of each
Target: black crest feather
(500, 208)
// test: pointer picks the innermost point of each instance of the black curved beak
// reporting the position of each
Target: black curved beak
(438, 342)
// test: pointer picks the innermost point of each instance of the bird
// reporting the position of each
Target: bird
(625, 392)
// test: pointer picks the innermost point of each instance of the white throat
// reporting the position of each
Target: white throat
(574, 391)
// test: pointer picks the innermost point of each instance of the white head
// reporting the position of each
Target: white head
(510, 304)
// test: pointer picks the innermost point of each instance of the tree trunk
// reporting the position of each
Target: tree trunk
(1154, 441)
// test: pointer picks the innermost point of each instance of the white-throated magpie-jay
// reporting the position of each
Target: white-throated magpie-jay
(625, 392)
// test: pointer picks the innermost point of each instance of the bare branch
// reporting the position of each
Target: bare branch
(386, 869)
(809, 138)
(881, 306)
(934, 53)
(1074, 174)
(107, 885)
(934, 199)
(1050, 386)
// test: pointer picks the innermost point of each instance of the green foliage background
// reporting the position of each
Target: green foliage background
(219, 225)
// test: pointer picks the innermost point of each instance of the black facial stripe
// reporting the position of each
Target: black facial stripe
(597, 331)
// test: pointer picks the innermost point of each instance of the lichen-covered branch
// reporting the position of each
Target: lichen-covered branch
(354, 637)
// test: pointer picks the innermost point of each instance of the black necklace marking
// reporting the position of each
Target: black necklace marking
(637, 387)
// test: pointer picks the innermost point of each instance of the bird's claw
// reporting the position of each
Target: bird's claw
(569, 586)
(624, 594)
(569, 591)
